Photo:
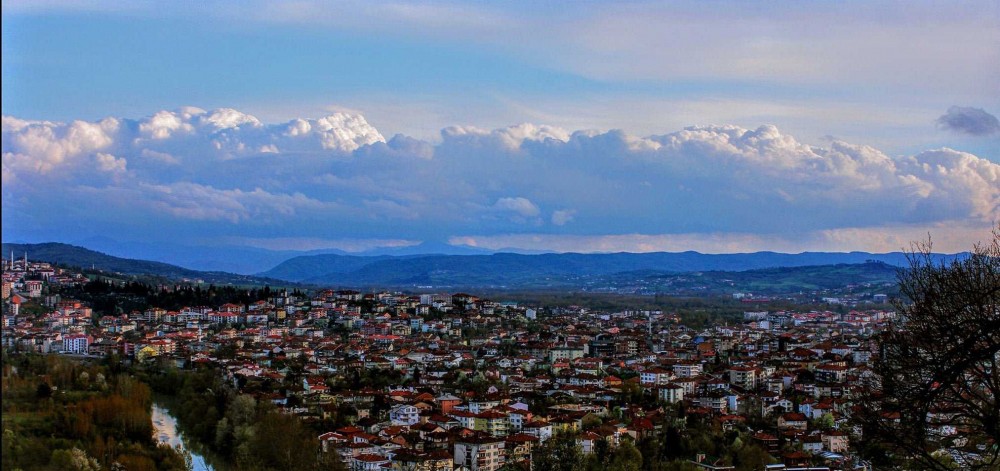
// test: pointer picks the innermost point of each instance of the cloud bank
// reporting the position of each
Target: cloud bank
(195, 175)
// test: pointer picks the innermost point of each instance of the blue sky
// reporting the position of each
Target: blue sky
(584, 126)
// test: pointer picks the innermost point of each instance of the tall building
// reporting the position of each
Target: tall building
(480, 453)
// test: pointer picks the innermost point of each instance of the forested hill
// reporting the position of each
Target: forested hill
(74, 256)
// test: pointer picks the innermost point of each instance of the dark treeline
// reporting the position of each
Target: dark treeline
(62, 414)
(111, 297)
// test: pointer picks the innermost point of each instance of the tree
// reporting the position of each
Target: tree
(626, 458)
(43, 391)
(937, 373)
(825, 422)
(750, 457)
(591, 421)
(282, 442)
(559, 453)
(74, 459)
(599, 458)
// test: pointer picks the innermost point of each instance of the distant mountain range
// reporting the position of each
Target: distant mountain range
(244, 259)
(71, 255)
(519, 270)
(765, 271)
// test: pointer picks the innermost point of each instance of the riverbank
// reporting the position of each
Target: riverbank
(233, 430)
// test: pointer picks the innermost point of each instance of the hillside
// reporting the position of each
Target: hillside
(71, 255)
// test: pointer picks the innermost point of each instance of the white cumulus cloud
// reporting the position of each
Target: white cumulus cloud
(520, 206)
(187, 136)
(110, 163)
(41, 146)
(336, 177)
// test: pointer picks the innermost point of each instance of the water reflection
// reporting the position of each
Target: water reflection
(165, 430)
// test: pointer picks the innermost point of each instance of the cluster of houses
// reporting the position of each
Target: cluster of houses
(482, 383)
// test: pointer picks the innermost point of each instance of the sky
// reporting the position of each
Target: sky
(638, 126)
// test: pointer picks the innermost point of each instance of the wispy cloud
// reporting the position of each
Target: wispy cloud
(945, 237)
(315, 243)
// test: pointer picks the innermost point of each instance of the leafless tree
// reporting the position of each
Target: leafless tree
(932, 400)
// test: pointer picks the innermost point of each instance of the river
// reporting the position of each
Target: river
(165, 431)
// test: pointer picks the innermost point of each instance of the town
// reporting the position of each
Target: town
(457, 382)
